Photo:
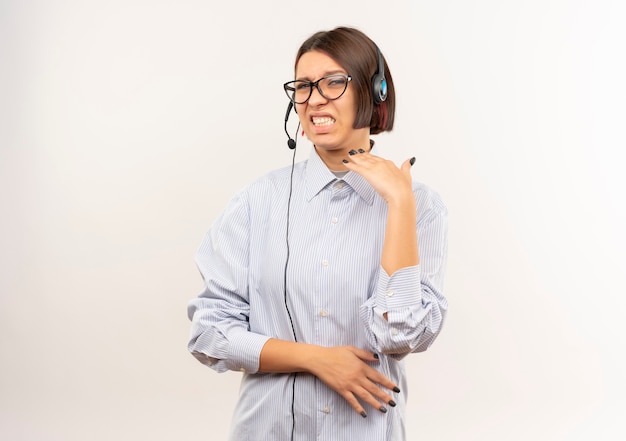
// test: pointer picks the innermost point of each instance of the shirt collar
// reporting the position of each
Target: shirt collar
(319, 176)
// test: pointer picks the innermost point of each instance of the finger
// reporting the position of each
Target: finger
(406, 165)
(354, 403)
(354, 160)
(370, 164)
(363, 354)
(375, 397)
(357, 152)
(377, 377)
(380, 395)
(361, 156)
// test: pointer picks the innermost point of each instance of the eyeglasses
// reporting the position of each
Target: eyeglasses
(330, 87)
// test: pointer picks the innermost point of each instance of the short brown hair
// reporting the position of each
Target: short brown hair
(358, 54)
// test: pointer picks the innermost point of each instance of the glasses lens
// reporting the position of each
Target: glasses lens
(333, 86)
(298, 91)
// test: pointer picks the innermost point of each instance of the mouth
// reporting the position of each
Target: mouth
(322, 121)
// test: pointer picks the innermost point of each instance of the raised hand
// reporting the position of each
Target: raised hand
(390, 181)
(393, 184)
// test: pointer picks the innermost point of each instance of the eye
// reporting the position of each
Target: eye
(336, 81)
(302, 85)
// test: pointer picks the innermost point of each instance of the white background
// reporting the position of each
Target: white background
(125, 127)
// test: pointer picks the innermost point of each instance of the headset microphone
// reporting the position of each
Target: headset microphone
(291, 143)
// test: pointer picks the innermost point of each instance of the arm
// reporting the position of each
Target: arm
(407, 310)
(400, 249)
(342, 368)
(220, 334)
(394, 185)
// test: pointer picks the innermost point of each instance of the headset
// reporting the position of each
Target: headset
(379, 82)
(291, 143)
(379, 94)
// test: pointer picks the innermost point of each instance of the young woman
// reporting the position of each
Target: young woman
(320, 278)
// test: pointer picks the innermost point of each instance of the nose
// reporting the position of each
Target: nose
(316, 97)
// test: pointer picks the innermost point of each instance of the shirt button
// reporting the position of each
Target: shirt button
(389, 293)
(242, 369)
(394, 331)
(324, 262)
(323, 313)
(340, 184)
(327, 409)
(334, 220)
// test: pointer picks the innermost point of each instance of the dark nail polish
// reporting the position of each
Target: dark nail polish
(392, 403)
(363, 414)
(376, 356)
(361, 151)
(345, 161)
(412, 160)
(352, 152)
(396, 390)
(383, 409)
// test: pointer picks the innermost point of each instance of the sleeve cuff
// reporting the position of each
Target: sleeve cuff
(401, 290)
(245, 352)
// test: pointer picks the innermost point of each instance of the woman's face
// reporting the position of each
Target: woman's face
(328, 123)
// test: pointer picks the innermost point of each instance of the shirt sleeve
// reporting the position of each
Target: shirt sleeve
(220, 333)
(412, 298)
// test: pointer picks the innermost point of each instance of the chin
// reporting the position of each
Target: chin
(325, 142)
(328, 145)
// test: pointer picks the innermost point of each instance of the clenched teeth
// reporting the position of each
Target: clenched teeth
(325, 121)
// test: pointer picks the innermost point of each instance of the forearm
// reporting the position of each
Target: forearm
(287, 356)
(344, 369)
(400, 248)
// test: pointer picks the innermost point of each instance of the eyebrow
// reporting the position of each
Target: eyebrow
(332, 72)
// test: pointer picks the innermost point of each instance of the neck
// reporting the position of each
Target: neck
(333, 158)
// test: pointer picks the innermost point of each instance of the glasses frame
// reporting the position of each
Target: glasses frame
(290, 90)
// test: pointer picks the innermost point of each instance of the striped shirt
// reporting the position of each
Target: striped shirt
(336, 290)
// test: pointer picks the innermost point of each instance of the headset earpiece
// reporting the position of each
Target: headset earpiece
(379, 82)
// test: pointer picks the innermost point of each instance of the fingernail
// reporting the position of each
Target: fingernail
(392, 403)
(383, 409)
(376, 356)
(396, 390)
(361, 151)
(345, 161)
(363, 414)
(412, 160)
(352, 152)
